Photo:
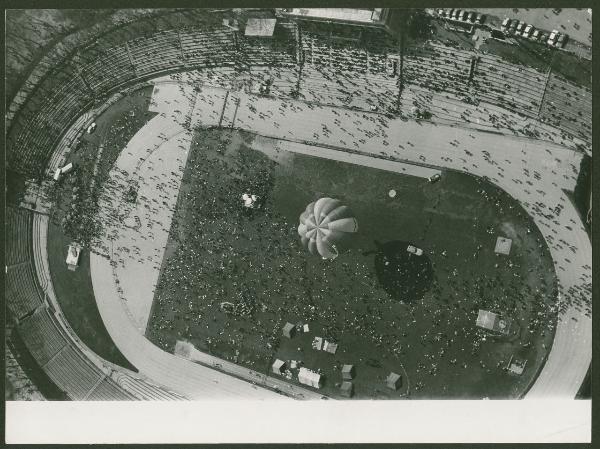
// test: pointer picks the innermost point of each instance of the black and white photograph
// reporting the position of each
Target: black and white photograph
(298, 204)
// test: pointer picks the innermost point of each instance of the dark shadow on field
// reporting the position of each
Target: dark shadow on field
(404, 276)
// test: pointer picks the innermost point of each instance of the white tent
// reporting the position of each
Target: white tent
(308, 377)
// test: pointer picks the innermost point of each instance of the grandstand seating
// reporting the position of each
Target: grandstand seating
(22, 294)
(143, 390)
(42, 336)
(107, 390)
(329, 86)
(104, 69)
(72, 373)
(279, 50)
(18, 236)
(568, 107)
(159, 52)
(438, 68)
(203, 47)
(499, 82)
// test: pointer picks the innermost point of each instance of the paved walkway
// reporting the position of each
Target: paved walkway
(533, 172)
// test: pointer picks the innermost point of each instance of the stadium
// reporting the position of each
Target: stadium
(305, 204)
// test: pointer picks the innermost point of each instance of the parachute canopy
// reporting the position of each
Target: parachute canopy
(324, 223)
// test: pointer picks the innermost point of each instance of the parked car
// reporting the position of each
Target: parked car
(528, 30)
(471, 16)
(536, 35)
(414, 250)
(449, 13)
(513, 26)
(505, 24)
(463, 16)
(543, 37)
(480, 19)
(520, 27)
(553, 37)
(456, 13)
(562, 40)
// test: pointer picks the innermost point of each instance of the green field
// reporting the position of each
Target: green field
(218, 252)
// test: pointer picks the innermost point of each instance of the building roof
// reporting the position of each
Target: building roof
(260, 27)
(364, 15)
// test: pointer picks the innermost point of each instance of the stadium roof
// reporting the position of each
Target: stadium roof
(363, 15)
(260, 27)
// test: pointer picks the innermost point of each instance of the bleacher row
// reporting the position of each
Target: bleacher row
(64, 94)
(329, 86)
(364, 54)
(47, 342)
(58, 103)
(18, 234)
(568, 107)
(497, 82)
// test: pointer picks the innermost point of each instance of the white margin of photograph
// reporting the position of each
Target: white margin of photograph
(508, 421)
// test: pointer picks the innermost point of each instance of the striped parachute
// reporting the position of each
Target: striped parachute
(324, 223)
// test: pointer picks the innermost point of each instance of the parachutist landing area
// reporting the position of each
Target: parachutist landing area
(230, 281)
(405, 276)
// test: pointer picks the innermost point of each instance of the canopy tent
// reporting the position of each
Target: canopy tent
(503, 246)
(289, 330)
(278, 367)
(347, 389)
(348, 372)
(309, 377)
(493, 322)
(393, 381)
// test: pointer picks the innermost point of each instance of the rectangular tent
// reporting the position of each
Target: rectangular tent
(309, 377)
(278, 367)
(503, 246)
(289, 330)
(493, 322)
(347, 389)
(393, 381)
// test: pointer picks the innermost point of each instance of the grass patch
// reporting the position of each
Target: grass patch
(75, 294)
(572, 68)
